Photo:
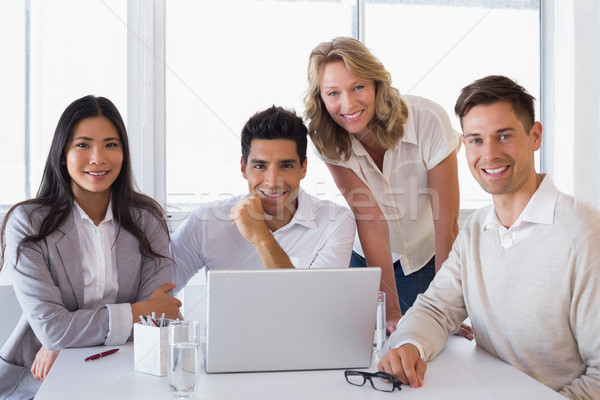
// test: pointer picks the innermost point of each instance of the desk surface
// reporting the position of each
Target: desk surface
(461, 371)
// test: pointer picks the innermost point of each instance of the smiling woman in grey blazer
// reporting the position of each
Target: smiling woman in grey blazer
(87, 255)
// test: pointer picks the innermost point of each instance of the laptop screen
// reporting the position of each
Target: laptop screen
(290, 319)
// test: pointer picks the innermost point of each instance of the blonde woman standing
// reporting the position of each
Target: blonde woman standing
(394, 160)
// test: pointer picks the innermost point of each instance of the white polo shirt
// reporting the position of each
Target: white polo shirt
(320, 235)
(401, 188)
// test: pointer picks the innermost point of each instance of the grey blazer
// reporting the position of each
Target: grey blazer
(48, 282)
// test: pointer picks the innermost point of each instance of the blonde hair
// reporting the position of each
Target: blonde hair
(391, 112)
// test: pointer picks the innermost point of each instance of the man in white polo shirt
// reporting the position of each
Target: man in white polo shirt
(525, 269)
(275, 225)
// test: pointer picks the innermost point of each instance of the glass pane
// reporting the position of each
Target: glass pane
(226, 60)
(433, 48)
(357, 379)
(382, 384)
(12, 79)
(76, 47)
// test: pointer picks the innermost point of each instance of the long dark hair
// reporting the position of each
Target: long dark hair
(55, 190)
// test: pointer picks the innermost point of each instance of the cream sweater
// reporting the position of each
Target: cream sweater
(535, 305)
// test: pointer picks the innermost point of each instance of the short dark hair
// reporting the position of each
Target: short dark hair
(275, 123)
(494, 89)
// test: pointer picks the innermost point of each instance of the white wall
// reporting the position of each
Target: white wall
(571, 96)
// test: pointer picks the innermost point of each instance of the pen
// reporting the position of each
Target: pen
(100, 355)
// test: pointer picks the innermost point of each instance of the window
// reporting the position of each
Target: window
(228, 59)
(58, 51)
(433, 48)
(256, 55)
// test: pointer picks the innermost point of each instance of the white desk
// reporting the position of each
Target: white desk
(461, 371)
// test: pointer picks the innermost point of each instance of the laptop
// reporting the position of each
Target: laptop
(290, 319)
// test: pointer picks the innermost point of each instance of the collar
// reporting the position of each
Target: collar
(410, 133)
(305, 213)
(81, 215)
(539, 209)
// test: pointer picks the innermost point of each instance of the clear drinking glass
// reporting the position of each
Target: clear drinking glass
(183, 358)
(379, 338)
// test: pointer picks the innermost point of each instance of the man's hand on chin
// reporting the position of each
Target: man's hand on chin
(249, 218)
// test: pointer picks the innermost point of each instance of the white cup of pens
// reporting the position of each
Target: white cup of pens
(183, 370)
(151, 320)
(150, 343)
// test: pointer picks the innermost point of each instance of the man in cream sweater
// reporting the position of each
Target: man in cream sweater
(525, 269)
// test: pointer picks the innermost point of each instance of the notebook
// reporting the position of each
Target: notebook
(290, 319)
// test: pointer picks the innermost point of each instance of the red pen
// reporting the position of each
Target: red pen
(100, 355)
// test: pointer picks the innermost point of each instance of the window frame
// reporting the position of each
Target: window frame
(146, 95)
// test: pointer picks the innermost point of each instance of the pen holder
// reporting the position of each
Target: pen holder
(150, 349)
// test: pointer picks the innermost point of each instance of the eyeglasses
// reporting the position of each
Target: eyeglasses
(379, 380)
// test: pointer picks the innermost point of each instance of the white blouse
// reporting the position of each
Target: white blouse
(100, 273)
(401, 187)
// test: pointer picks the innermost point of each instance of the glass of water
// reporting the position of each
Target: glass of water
(379, 338)
(183, 369)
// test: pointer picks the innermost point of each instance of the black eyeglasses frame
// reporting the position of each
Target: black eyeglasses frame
(367, 376)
